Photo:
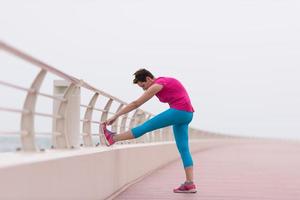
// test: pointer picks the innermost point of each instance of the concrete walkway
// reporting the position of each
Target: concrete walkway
(258, 170)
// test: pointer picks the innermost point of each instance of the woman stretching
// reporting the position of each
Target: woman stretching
(179, 115)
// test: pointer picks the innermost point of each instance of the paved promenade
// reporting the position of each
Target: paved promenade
(262, 170)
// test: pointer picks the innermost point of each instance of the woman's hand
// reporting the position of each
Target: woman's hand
(111, 120)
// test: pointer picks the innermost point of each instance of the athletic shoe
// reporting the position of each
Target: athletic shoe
(108, 135)
(186, 188)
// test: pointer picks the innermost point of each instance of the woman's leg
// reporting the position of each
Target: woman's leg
(159, 121)
(164, 119)
(189, 174)
(182, 142)
(123, 136)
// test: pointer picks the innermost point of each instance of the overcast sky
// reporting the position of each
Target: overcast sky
(238, 59)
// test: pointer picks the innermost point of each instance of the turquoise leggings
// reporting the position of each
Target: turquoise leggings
(180, 121)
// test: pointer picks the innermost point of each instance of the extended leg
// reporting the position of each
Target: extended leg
(161, 120)
(123, 136)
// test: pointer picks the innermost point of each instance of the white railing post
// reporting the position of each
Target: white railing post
(137, 118)
(114, 126)
(140, 118)
(86, 127)
(170, 134)
(148, 135)
(165, 134)
(27, 119)
(123, 123)
(133, 121)
(66, 130)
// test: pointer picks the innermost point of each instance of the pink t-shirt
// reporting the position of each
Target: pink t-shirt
(174, 94)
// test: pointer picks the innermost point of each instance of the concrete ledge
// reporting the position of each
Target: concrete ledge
(88, 173)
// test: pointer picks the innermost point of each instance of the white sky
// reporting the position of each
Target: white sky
(239, 59)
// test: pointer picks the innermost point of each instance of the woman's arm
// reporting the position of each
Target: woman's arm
(148, 94)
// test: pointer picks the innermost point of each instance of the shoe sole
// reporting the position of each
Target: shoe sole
(187, 191)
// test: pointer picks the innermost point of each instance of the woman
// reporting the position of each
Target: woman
(179, 115)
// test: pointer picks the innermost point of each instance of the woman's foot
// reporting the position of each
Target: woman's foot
(187, 187)
(108, 135)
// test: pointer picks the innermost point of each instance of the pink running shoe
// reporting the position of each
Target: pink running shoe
(108, 135)
(186, 188)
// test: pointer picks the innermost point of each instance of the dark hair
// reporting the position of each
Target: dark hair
(141, 75)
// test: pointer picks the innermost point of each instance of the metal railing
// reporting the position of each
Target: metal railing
(62, 135)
